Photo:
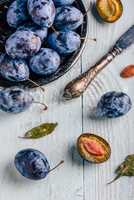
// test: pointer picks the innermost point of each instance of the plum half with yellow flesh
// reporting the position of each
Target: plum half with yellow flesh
(109, 10)
(93, 148)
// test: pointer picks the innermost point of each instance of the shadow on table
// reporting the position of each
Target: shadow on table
(74, 155)
(96, 15)
(4, 116)
(76, 158)
(14, 178)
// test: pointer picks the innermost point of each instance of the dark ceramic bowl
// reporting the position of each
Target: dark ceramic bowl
(67, 62)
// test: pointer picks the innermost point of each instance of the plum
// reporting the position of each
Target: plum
(17, 13)
(63, 2)
(33, 164)
(45, 62)
(42, 12)
(65, 42)
(68, 17)
(14, 69)
(22, 44)
(41, 32)
(14, 100)
(113, 104)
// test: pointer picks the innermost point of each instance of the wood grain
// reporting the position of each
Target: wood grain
(119, 132)
(58, 146)
(75, 180)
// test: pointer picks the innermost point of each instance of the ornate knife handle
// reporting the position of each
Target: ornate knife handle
(77, 86)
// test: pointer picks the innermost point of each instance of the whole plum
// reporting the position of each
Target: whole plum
(17, 13)
(45, 62)
(41, 32)
(63, 2)
(32, 164)
(68, 17)
(15, 100)
(14, 69)
(65, 42)
(22, 44)
(42, 12)
(113, 104)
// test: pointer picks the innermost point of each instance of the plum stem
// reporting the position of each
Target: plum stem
(43, 104)
(93, 39)
(116, 178)
(60, 163)
(36, 84)
(89, 8)
(52, 27)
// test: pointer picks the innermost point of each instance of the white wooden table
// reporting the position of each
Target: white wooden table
(75, 180)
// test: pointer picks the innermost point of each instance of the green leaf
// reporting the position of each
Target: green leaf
(126, 168)
(40, 131)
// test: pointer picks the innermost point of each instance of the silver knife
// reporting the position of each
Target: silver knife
(77, 86)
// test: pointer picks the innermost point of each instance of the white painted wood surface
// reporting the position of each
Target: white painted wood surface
(75, 180)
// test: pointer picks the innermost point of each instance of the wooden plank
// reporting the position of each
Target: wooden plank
(119, 132)
(67, 181)
(74, 180)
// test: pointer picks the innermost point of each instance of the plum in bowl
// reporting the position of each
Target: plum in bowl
(67, 61)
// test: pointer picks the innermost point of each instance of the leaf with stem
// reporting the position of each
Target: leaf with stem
(40, 131)
(125, 169)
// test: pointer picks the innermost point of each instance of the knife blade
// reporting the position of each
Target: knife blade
(76, 87)
(126, 39)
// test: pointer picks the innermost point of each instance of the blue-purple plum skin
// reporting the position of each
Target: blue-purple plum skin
(14, 100)
(45, 62)
(14, 70)
(68, 18)
(113, 104)
(63, 2)
(22, 44)
(41, 32)
(65, 42)
(32, 164)
(17, 13)
(42, 12)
